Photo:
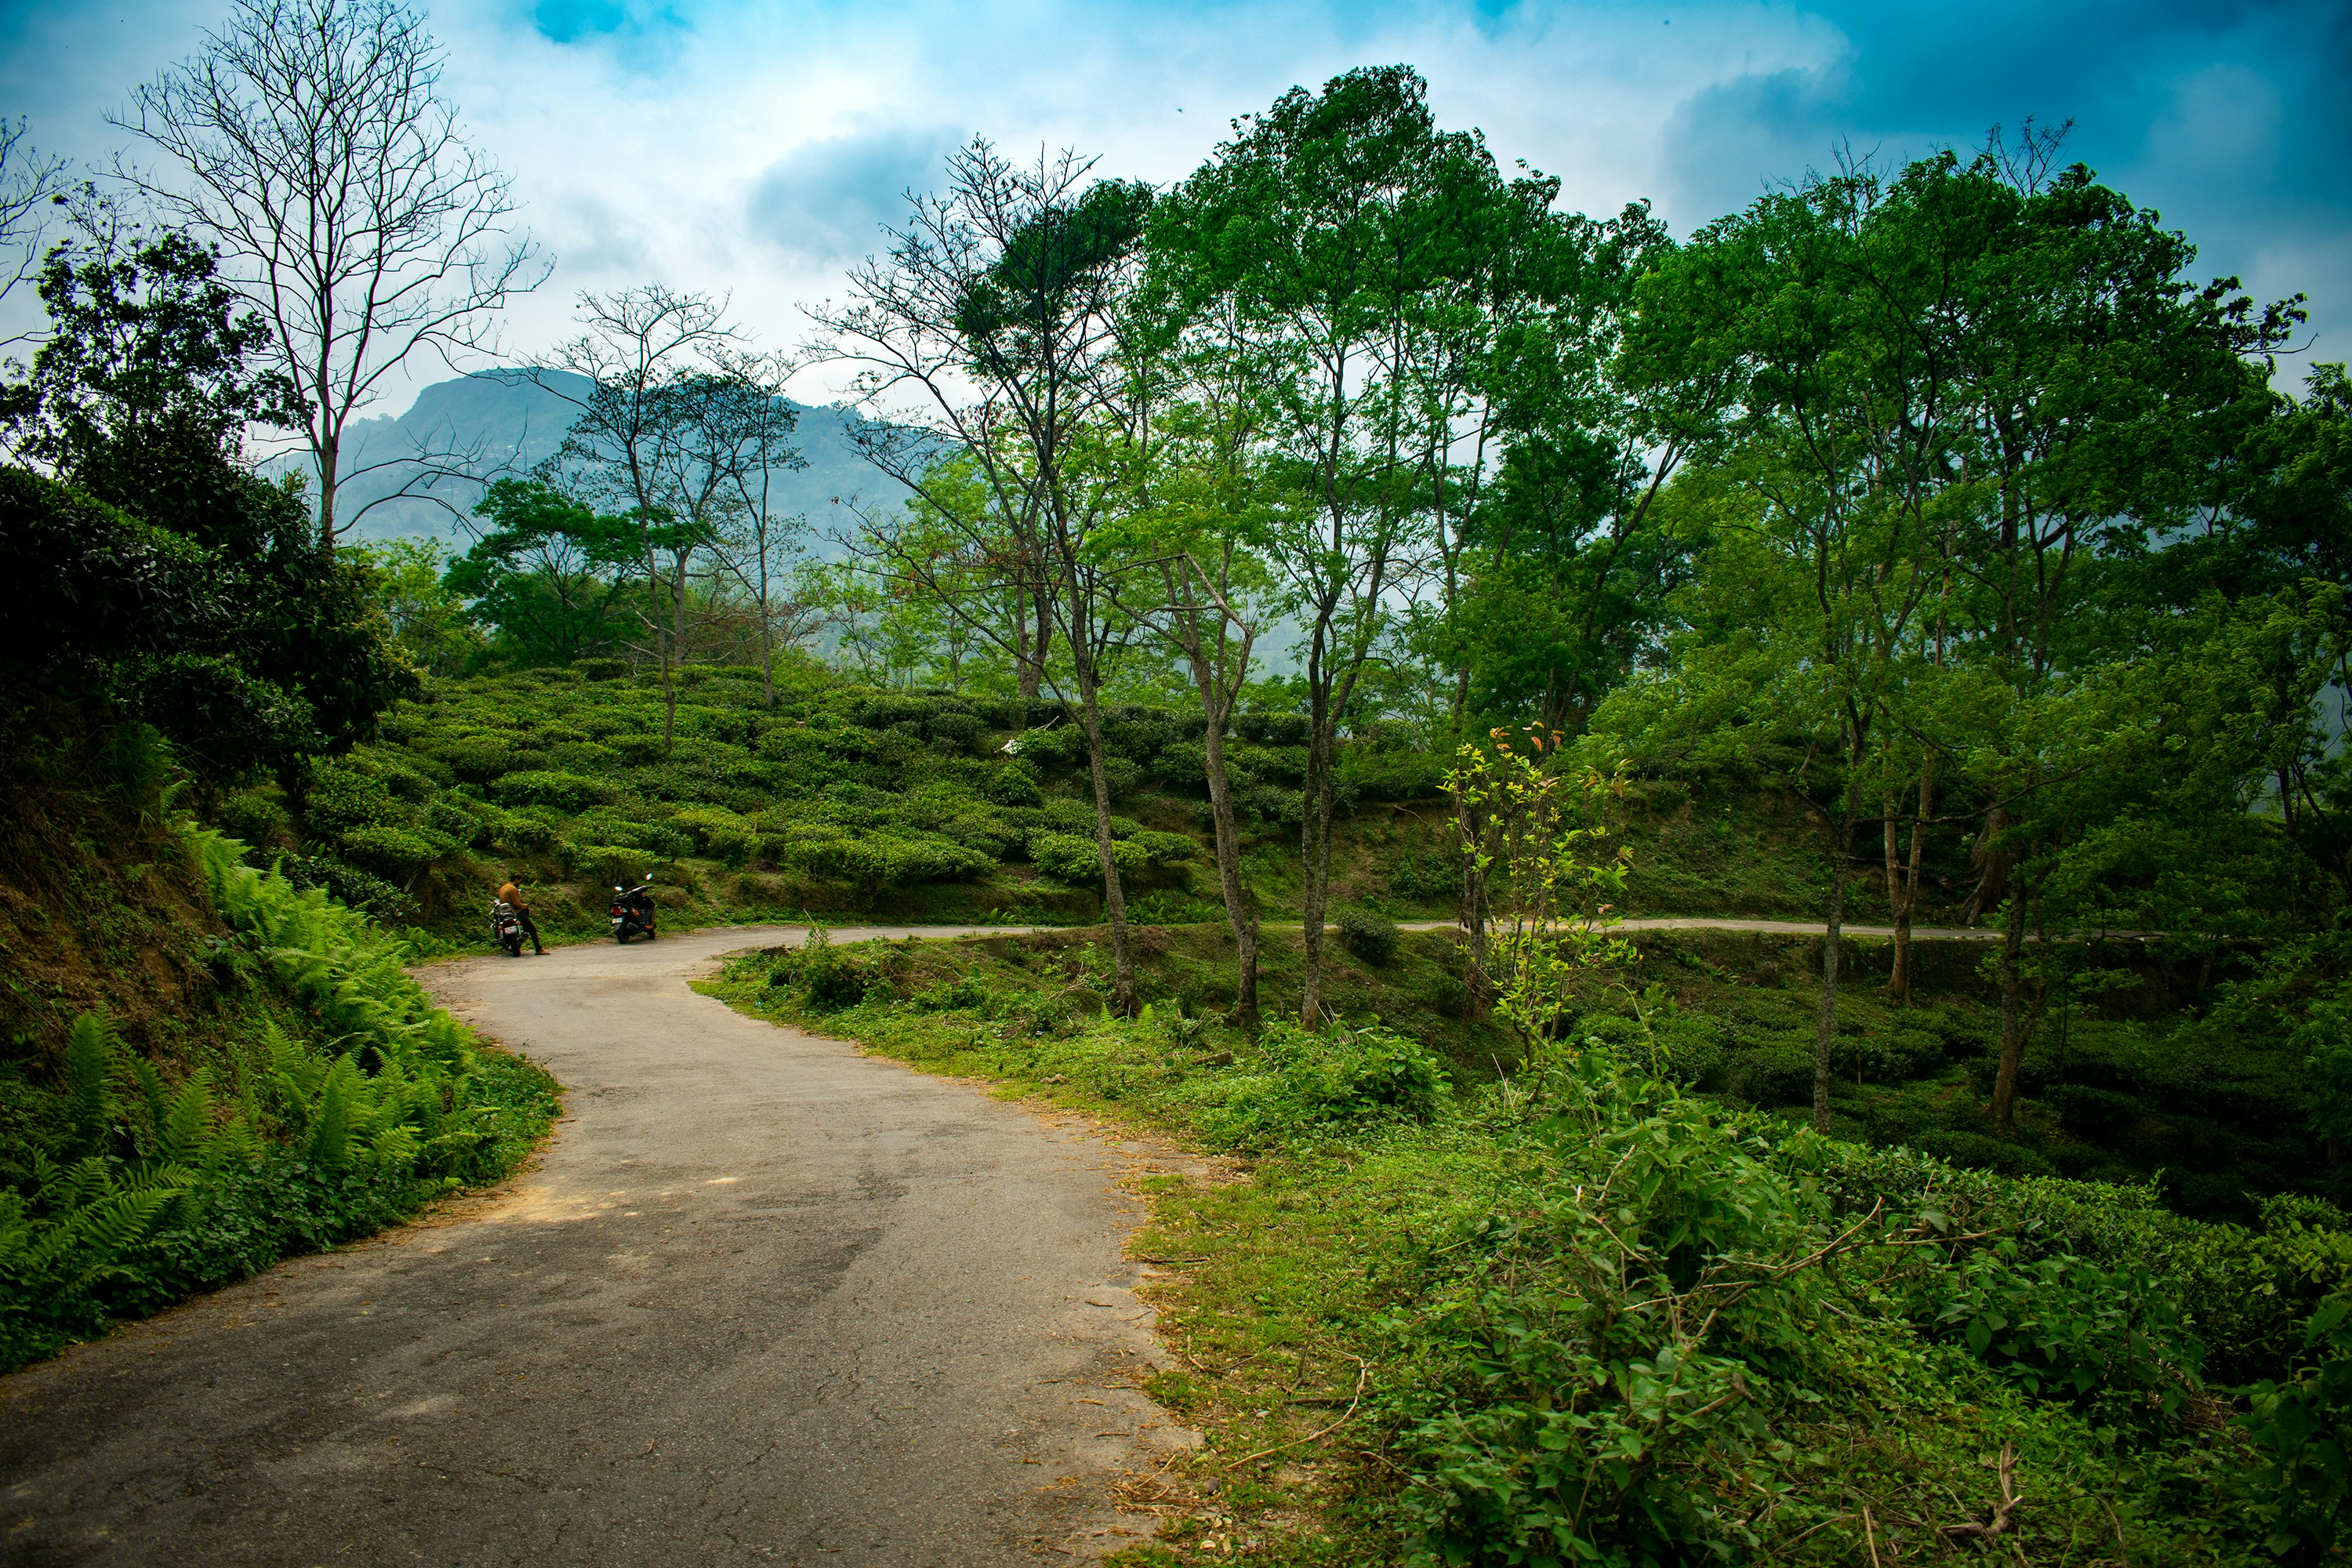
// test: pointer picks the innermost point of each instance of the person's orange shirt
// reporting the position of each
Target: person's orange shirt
(511, 894)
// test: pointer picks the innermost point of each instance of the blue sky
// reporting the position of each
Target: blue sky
(752, 148)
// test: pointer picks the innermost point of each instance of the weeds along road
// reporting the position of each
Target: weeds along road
(763, 1301)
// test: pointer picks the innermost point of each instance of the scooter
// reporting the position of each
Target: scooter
(505, 927)
(633, 911)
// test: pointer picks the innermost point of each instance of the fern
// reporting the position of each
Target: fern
(209, 1187)
(89, 1096)
(330, 1132)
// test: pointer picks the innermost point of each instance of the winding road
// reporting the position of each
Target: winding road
(763, 1301)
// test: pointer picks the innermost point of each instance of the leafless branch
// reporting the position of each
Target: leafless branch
(307, 142)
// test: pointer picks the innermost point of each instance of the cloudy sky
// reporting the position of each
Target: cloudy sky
(752, 146)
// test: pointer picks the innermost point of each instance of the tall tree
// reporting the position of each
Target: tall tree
(763, 553)
(673, 419)
(307, 143)
(1199, 513)
(140, 397)
(1326, 222)
(28, 181)
(991, 333)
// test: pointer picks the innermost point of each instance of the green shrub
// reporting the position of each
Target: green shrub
(827, 978)
(141, 1193)
(1013, 783)
(1371, 937)
(1077, 860)
(877, 860)
(2297, 1492)
(256, 819)
(1271, 729)
(1600, 1383)
(2059, 1326)
(453, 822)
(564, 792)
(341, 798)
(347, 885)
(398, 851)
(1167, 848)
(717, 832)
(1306, 1083)
(1771, 1074)
(477, 759)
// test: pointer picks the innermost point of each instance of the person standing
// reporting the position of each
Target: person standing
(510, 895)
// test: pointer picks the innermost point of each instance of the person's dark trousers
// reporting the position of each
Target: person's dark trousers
(529, 929)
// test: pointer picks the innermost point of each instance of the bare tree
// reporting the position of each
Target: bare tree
(763, 546)
(27, 183)
(668, 427)
(991, 334)
(307, 142)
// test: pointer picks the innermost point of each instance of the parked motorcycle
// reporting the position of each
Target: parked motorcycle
(505, 927)
(633, 911)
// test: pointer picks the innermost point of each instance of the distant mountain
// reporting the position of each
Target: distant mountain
(509, 422)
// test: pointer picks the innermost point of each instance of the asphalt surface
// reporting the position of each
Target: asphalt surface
(763, 1301)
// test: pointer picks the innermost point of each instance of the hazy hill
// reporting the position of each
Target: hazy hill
(506, 424)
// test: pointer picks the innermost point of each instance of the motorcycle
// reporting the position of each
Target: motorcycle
(633, 911)
(505, 927)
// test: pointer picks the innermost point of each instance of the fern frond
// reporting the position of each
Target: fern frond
(91, 1049)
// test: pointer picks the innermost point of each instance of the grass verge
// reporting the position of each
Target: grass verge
(1430, 1319)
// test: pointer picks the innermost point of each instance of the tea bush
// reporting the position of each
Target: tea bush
(1370, 936)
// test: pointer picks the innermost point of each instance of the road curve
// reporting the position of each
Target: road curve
(764, 1300)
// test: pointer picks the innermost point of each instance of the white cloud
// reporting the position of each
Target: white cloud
(751, 148)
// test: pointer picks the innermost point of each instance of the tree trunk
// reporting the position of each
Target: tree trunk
(672, 641)
(330, 465)
(1911, 885)
(1470, 827)
(1240, 913)
(1123, 995)
(1990, 860)
(2012, 1015)
(1903, 884)
(767, 650)
(1031, 676)
(1315, 843)
(1825, 1030)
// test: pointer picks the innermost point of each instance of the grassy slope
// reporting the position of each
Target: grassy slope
(567, 779)
(1292, 1294)
(754, 814)
(111, 916)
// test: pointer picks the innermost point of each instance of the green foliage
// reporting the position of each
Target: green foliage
(144, 1193)
(2115, 1339)
(1075, 859)
(1608, 1368)
(546, 574)
(546, 786)
(1371, 937)
(2298, 1493)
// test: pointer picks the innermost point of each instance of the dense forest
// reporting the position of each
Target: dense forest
(1346, 535)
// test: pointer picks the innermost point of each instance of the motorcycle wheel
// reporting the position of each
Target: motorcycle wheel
(621, 937)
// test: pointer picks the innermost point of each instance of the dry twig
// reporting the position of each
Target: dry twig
(1363, 1376)
(2004, 1517)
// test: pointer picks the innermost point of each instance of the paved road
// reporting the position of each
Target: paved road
(766, 1301)
(1775, 928)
